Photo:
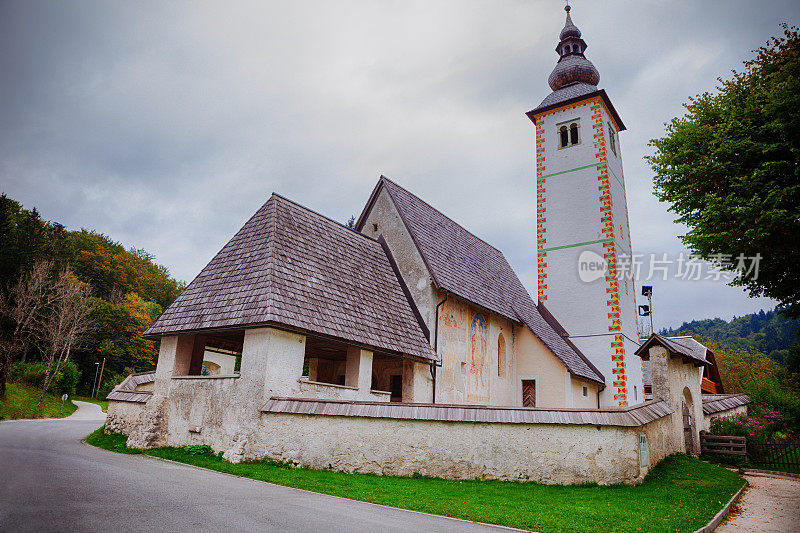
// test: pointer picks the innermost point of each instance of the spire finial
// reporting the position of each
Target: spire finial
(567, 8)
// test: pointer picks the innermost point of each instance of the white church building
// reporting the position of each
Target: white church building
(308, 341)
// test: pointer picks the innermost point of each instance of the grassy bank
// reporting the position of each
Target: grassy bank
(21, 400)
(680, 494)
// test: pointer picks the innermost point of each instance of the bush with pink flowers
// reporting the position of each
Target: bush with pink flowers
(761, 423)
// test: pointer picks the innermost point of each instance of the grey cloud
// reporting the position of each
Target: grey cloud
(166, 125)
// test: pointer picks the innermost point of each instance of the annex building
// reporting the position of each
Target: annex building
(407, 344)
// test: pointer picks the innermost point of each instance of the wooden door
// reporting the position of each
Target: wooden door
(528, 393)
(687, 429)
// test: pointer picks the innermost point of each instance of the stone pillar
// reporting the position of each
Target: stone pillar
(313, 365)
(659, 373)
(417, 382)
(198, 351)
(178, 360)
(358, 372)
(272, 362)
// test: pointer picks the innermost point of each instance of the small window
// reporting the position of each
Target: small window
(374, 227)
(569, 133)
(528, 393)
(585, 391)
(396, 388)
(635, 394)
(644, 459)
(501, 356)
(612, 140)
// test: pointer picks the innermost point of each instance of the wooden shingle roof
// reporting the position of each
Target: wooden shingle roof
(126, 391)
(293, 267)
(689, 352)
(464, 265)
(632, 416)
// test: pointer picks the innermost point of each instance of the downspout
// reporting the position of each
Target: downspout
(436, 344)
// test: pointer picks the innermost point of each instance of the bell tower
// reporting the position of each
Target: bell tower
(582, 220)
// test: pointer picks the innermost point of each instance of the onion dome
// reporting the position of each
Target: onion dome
(570, 30)
(572, 67)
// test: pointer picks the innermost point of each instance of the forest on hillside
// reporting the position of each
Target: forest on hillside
(758, 354)
(769, 332)
(126, 289)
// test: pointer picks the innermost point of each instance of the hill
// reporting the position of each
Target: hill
(129, 289)
(769, 332)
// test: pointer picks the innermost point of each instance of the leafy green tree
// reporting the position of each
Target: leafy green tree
(730, 168)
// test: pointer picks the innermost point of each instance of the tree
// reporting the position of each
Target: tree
(22, 307)
(730, 168)
(65, 324)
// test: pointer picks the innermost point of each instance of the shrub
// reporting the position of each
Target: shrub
(67, 378)
(761, 423)
(198, 449)
(30, 373)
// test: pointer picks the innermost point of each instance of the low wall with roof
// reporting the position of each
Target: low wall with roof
(457, 448)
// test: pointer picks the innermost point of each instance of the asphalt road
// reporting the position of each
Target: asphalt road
(51, 481)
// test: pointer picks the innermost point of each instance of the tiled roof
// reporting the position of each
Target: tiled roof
(291, 266)
(469, 268)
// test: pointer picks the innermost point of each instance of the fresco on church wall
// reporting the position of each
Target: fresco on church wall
(478, 371)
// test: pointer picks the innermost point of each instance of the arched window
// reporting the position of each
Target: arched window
(564, 137)
(501, 355)
(573, 133)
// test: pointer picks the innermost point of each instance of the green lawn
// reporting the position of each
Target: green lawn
(680, 494)
(102, 403)
(21, 400)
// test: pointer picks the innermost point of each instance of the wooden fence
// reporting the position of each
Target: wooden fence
(784, 455)
(723, 444)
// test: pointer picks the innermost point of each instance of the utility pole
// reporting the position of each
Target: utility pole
(647, 310)
(94, 383)
(101, 375)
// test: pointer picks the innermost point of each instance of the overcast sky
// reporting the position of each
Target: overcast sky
(165, 125)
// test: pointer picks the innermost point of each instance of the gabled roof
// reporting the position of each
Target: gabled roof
(675, 349)
(293, 267)
(464, 265)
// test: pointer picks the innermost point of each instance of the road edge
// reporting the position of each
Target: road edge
(720, 516)
(153, 457)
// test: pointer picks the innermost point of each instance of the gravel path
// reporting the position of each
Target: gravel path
(770, 503)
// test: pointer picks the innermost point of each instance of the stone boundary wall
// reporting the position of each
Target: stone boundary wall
(545, 453)
(122, 416)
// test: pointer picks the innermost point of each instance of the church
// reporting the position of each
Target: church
(305, 340)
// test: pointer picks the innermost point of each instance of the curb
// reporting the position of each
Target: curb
(775, 473)
(720, 516)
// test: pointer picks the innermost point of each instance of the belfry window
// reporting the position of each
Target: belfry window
(568, 133)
